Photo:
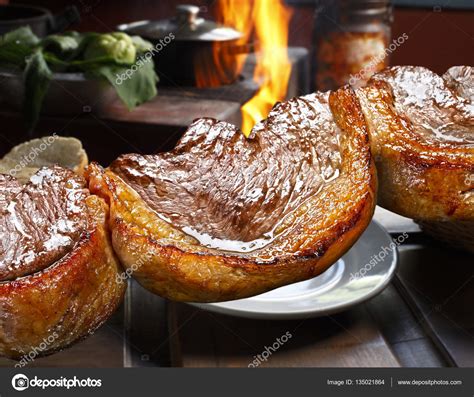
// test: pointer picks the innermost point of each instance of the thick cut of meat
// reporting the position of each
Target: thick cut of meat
(223, 217)
(220, 187)
(461, 80)
(57, 267)
(41, 222)
(9, 187)
(421, 127)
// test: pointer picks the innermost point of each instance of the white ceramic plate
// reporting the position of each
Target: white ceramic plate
(363, 272)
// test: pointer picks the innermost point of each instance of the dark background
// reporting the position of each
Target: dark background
(439, 36)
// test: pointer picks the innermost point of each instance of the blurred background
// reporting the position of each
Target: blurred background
(284, 48)
(437, 39)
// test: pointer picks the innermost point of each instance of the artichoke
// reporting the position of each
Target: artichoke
(118, 46)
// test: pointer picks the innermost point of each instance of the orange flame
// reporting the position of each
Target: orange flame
(225, 63)
(273, 67)
(264, 22)
(236, 14)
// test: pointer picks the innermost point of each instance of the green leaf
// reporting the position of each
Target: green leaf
(133, 86)
(117, 45)
(15, 46)
(37, 77)
(22, 35)
(69, 47)
(13, 54)
(62, 45)
(89, 63)
(141, 45)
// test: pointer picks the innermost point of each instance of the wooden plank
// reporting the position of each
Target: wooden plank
(173, 111)
(204, 339)
(403, 331)
(241, 91)
(438, 283)
(146, 331)
(418, 353)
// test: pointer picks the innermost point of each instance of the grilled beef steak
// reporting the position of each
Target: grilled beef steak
(461, 80)
(422, 134)
(57, 268)
(221, 187)
(223, 217)
(41, 222)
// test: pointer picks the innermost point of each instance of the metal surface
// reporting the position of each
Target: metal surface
(69, 94)
(39, 19)
(187, 43)
(185, 26)
(441, 298)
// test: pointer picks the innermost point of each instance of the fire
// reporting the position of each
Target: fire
(265, 22)
(226, 61)
(273, 69)
(237, 14)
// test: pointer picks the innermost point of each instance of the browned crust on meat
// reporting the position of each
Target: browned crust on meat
(171, 264)
(416, 179)
(67, 301)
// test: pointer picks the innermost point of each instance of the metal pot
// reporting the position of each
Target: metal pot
(190, 50)
(89, 94)
(39, 19)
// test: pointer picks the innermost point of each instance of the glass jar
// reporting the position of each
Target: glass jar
(351, 41)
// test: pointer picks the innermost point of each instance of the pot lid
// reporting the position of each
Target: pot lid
(186, 26)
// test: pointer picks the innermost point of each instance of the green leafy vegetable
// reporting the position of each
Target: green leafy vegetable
(110, 56)
(141, 45)
(133, 91)
(117, 46)
(15, 46)
(62, 45)
(22, 35)
(13, 55)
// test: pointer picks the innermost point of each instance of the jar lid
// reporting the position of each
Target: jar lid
(186, 25)
(346, 11)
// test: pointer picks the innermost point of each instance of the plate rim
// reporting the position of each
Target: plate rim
(310, 313)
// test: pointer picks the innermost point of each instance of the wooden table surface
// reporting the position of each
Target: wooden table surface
(424, 318)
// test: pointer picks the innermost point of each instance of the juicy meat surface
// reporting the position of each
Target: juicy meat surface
(225, 217)
(421, 128)
(439, 110)
(218, 185)
(9, 187)
(41, 221)
(461, 80)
